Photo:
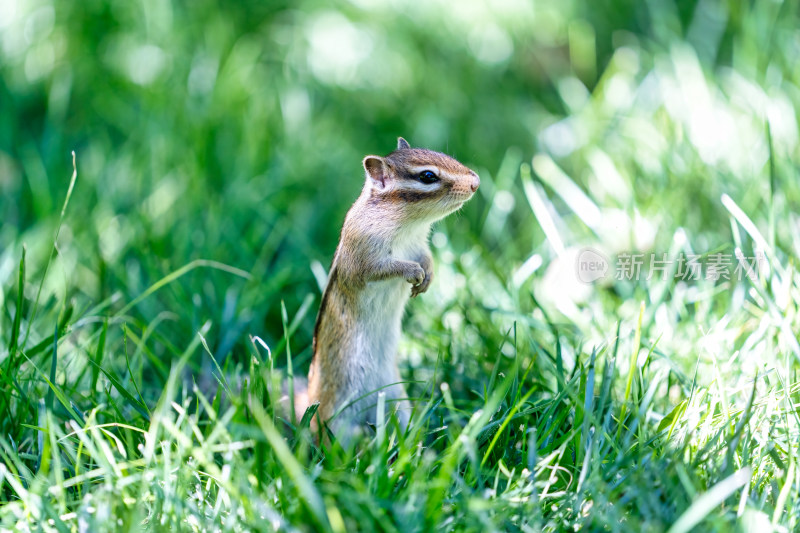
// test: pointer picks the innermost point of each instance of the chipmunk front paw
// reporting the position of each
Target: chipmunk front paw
(419, 288)
(415, 275)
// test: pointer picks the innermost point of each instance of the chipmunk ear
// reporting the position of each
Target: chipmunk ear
(402, 144)
(376, 170)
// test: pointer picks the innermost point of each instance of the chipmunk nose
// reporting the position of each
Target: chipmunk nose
(476, 182)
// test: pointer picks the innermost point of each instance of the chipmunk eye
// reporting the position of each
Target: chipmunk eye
(426, 176)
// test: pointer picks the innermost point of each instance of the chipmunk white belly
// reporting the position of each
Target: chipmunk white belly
(381, 305)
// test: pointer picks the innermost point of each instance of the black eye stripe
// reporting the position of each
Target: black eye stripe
(404, 174)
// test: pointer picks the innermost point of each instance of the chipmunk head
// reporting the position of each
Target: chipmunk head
(418, 183)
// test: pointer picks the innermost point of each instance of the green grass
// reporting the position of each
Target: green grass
(146, 328)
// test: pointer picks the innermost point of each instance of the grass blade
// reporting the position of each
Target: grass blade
(12, 345)
(631, 371)
(169, 278)
(707, 501)
(53, 364)
(52, 249)
(98, 356)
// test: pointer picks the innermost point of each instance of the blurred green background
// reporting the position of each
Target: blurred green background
(234, 131)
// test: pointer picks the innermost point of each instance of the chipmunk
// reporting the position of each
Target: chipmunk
(382, 250)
